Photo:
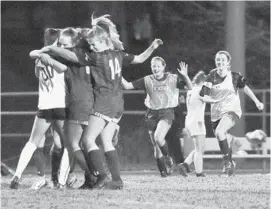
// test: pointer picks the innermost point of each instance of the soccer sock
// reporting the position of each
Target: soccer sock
(40, 161)
(72, 163)
(95, 158)
(90, 165)
(56, 156)
(161, 164)
(64, 167)
(177, 151)
(80, 158)
(224, 147)
(190, 157)
(25, 157)
(164, 149)
(113, 164)
(230, 154)
(198, 162)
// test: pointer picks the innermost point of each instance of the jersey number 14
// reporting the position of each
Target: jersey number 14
(115, 68)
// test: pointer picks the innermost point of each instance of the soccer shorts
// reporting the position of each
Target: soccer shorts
(195, 128)
(78, 112)
(52, 114)
(110, 107)
(232, 115)
(152, 117)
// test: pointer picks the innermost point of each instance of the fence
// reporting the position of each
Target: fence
(135, 147)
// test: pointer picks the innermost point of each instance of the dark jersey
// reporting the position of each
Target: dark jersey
(106, 69)
(78, 79)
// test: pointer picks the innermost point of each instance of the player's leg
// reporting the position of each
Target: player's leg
(74, 132)
(160, 160)
(56, 153)
(111, 155)
(94, 156)
(225, 124)
(40, 163)
(39, 129)
(159, 137)
(199, 142)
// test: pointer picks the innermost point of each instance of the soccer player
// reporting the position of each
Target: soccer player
(51, 108)
(79, 101)
(223, 84)
(106, 67)
(194, 123)
(162, 98)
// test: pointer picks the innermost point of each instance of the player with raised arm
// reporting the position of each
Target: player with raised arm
(222, 84)
(162, 98)
(106, 68)
(195, 125)
(51, 109)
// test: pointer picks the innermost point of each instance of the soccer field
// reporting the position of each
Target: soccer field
(147, 190)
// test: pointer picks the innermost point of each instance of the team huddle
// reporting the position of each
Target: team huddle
(81, 98)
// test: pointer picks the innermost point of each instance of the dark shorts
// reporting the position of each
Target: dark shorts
(152, 117)
(78, 112)
(53, 114)
(110, 107)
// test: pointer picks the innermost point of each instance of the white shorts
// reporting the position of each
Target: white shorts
(195, 128)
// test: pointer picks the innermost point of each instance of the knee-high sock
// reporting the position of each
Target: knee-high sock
(80, 159)
(224, 147)
(198, 161)
(95, 158)
(40, 161)
(56, 156)
(190, 158)
(64, 167)
(164, 149)
(113, 164)
(25, 157)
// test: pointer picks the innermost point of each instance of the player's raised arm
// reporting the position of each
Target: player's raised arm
(126, 85)
(183, 72)
(147, 53)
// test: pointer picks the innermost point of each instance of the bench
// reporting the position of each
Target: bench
(211, 145)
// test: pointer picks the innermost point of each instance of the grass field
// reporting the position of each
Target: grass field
(148, 190)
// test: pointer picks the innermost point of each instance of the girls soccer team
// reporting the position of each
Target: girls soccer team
(66, 68)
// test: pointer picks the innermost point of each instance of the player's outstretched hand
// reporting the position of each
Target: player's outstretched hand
(183, 68)
(156, 43)
(260, 106)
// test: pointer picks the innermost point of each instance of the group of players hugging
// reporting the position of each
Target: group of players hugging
(81, 100)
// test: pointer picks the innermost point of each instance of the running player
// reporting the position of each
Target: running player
(51, 108)
(162, 98)
(106, 68)
(194, 123)
(222, 84)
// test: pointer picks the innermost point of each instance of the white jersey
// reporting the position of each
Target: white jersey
(228, 96)
(195, 107)
(52, 90)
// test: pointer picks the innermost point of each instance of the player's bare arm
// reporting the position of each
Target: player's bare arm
(208, 99)
(252, 96)
(126, 85)
(64, 53)
(147, 53)
(48, 60)
(183, 71)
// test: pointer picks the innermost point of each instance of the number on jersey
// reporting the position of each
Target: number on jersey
(115, 68)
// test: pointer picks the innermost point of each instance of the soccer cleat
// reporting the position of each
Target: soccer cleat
(71, 180)
(170, 164)
(188, 170)
(115, 185)
(231, 171)
(163, 174)
(201, 174)
(55, 180)
(182, 169)
(40, 183)
(101, 182)
(89, 182)
(14, 184)
(60, 186)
